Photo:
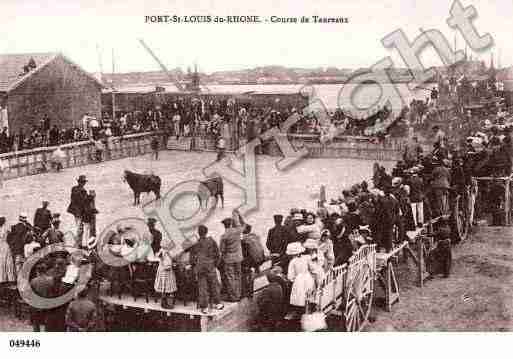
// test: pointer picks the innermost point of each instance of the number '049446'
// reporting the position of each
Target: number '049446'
(24, 343)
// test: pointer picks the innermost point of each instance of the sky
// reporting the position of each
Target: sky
(87, 31)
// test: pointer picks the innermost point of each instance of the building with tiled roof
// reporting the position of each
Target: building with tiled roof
(36, 85)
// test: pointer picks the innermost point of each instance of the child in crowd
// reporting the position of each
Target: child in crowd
(165, 280)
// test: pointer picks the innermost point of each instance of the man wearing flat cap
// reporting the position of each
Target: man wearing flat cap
(230, 247)
(78, 203)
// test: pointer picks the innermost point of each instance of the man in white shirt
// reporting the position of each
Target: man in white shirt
(176, 124)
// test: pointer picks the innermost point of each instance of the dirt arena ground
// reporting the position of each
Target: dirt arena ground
(277, 191)
(477, 296)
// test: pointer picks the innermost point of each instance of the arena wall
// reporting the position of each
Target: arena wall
(35, 161)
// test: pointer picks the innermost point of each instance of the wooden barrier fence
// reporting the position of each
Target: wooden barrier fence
(34, 161)
(341, 147)
(507, 184)
(37, 160)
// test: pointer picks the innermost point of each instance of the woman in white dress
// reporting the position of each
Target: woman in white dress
(7, 270)
(303, 272)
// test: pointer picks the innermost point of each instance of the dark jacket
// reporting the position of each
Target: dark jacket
(252, 251)
(277, 239)
(416, 189)
(441, 177)
(53, 236)
(352, 221)
(78, 201)
(230, 246)
(89, 209)
(157, 240)
(17, 238)
(387, 213)
(42, 219)
(271, 306)
(204, 255)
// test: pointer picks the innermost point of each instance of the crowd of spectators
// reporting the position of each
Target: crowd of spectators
(186, 117)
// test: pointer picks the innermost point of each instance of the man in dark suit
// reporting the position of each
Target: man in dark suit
(17, 240)
(387, 215)
(440, 184)
(78, 203)
(278, 237)
(43, 217)
(155, 234)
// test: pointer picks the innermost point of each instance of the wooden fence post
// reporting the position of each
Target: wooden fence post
(420, 251)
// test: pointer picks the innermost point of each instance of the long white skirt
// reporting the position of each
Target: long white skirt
(7, 269)
(303, 283)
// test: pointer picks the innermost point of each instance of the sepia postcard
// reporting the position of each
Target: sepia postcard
(255, 166)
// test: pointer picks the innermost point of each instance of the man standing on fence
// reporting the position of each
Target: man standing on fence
(77, 205)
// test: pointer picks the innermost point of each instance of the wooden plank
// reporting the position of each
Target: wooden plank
(128, 302)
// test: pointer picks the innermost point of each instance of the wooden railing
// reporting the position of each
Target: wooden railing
(507, 184)
(37, 160)
(333, 290)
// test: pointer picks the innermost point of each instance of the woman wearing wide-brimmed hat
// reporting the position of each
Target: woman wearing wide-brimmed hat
(301, 272)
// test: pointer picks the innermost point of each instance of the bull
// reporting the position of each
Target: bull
(140, 183)
(212, 187)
